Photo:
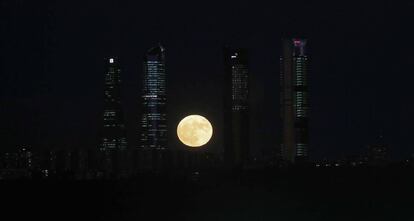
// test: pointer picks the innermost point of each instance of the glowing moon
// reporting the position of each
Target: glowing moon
(194, 131)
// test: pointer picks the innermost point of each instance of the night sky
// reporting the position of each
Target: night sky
(52, 68)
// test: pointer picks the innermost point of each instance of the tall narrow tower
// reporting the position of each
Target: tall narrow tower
(154, 101)
(294, 101)
(236, 108)
(113, 133)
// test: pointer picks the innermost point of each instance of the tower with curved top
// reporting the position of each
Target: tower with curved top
(154, 101)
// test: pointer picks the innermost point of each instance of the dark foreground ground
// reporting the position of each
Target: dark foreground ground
(311, 194)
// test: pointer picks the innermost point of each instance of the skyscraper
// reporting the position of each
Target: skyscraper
(113, 133)
(154, 101)
(294, 101)
(236, 107)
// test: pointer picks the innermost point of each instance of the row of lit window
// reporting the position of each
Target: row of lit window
(239, 107)
(109, 113)
(301, 149)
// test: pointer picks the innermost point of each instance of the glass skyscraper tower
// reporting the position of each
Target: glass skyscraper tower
(113, 133)
(154, 101)
(294, 100)
(236, 107)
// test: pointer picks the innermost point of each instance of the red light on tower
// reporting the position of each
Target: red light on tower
(297, 42)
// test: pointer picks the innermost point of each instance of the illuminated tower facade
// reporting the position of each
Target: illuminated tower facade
(154, 101)
(294, 100)
(113, 133)
(236, 107)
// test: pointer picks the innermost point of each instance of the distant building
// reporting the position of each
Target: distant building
(154, 100)
(10, 160)
(48, 161)
(113, 132)
(377, 153)
(236, 107)
(113, 140)
(410, 161)
(294, 100)
(22, 159)
(25, 159)
(153, 140)
(355, 160)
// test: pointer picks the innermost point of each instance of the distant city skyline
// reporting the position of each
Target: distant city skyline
(206, 110)
(51, 69)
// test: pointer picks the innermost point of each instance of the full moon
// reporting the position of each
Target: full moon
(194, 131)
